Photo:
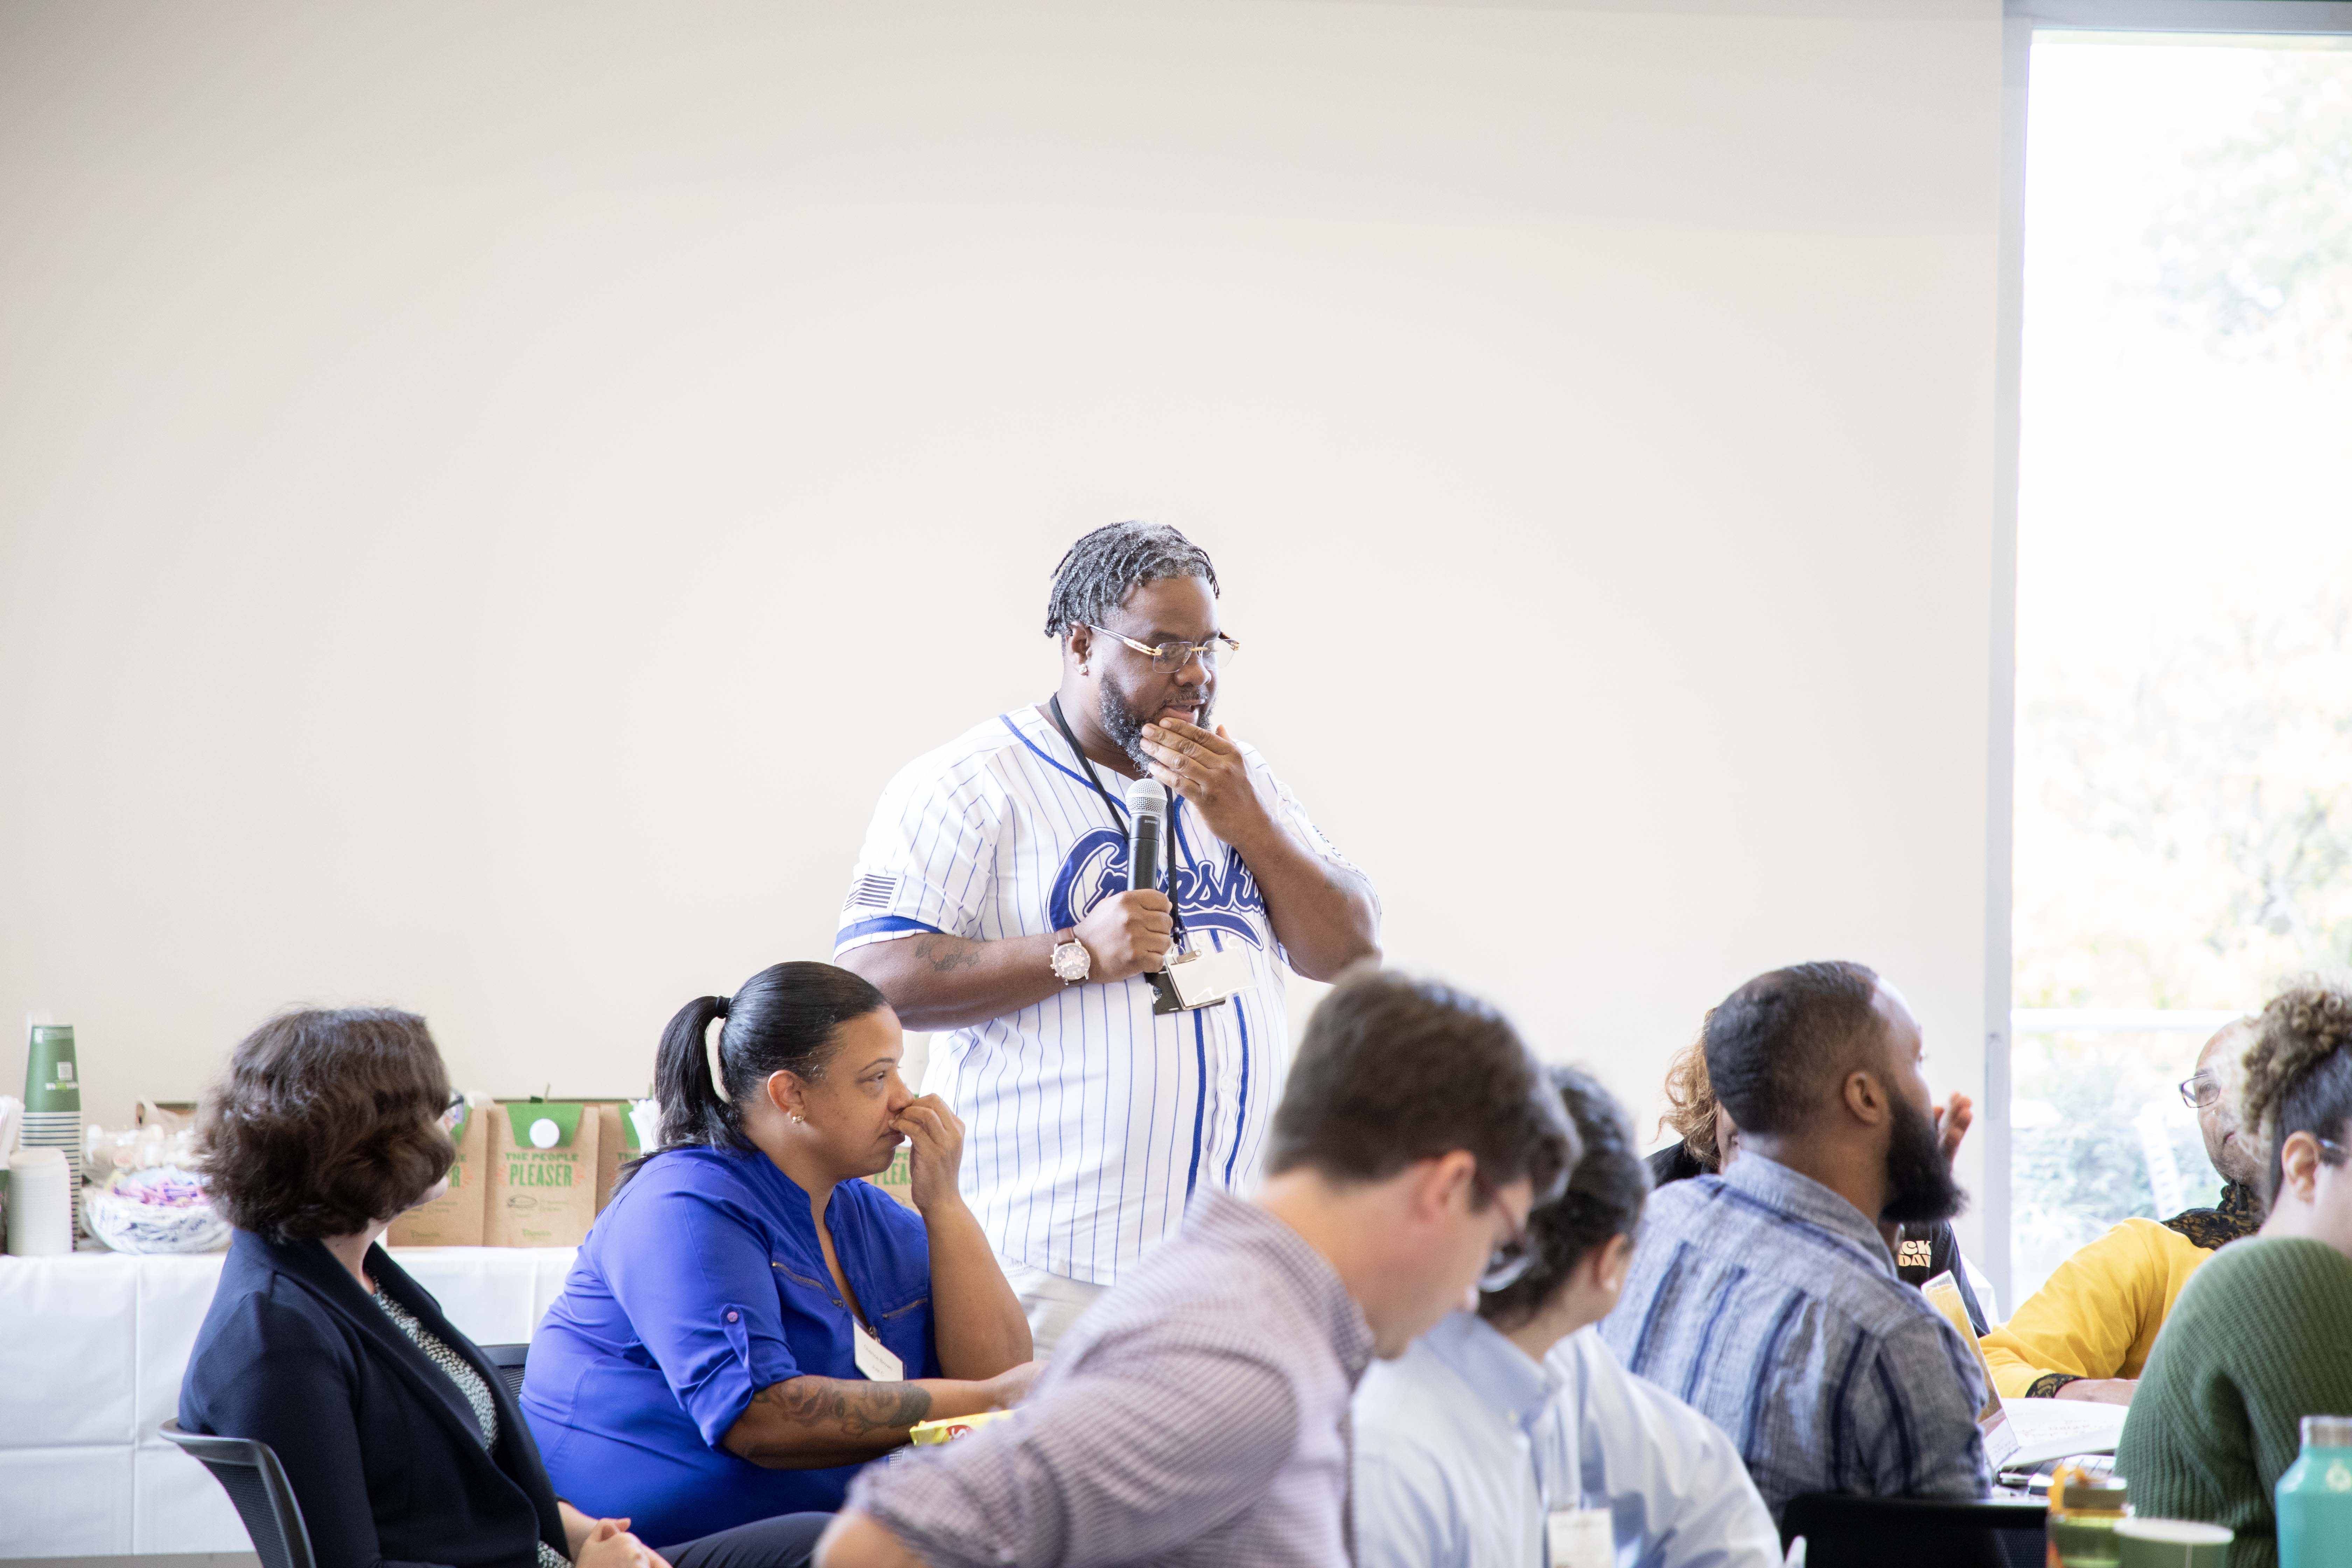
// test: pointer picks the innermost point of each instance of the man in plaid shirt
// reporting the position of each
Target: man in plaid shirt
(1197, 1414)
(1766, 1297)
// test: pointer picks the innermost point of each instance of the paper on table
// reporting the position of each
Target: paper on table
(2051, 1428)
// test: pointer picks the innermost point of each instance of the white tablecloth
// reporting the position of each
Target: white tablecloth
(91, 1349)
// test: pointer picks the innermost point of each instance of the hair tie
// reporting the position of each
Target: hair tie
(710, 1050)
(722, 1003)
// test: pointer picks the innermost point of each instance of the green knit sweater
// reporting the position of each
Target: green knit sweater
(2260, 1338)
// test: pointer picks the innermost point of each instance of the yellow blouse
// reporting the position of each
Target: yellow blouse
(2099, 1314)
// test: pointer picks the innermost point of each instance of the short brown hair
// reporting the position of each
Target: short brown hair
(1394, 1070)
(326, 1122)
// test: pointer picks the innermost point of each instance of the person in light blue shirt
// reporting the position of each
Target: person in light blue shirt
(1495, 1419)
(748, 1322)
(1766, 1297)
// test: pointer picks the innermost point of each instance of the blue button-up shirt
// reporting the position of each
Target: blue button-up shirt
(1464, 1444)
(1770, 1303)
(701, 1284)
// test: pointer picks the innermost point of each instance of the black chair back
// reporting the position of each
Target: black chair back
(509, 1360)
(1916, 1532)
(255, 1482)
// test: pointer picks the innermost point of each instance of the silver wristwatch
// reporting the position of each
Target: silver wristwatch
(1071, 960)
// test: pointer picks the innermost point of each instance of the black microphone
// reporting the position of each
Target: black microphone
(1147, 813)
(1147, 810)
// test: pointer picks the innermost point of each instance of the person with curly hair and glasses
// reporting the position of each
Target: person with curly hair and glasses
(399, 1440)
(2262, 1335)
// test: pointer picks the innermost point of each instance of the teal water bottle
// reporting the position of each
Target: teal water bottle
(2315, 1498)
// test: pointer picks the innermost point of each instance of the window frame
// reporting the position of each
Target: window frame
(2020, 20)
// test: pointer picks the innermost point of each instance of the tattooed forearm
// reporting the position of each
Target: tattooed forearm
(946, 954)
(855, 1410)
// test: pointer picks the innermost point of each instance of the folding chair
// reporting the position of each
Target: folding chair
(255, 1482)
(509, 1360)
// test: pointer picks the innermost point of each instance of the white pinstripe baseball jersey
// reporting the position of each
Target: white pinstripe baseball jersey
(1089, 1120)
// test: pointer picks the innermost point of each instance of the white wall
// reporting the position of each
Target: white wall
(488, 493)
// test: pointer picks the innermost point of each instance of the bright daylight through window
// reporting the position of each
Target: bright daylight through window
(2184, 660)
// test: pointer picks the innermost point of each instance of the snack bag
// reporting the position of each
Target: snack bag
(899, 1181)
(456, 1217)
(543, 1186)
(953, 1426)
(617, 1144)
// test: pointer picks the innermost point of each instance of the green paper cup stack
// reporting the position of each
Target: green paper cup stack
(53, 1102)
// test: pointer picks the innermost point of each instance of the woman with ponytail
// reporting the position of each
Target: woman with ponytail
(2262, 1335)
(750, 1322)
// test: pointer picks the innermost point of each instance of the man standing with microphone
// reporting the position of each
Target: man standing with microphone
(993, 904)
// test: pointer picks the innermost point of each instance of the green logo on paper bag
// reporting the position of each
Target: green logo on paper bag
(524, 1117)
(538, 1168)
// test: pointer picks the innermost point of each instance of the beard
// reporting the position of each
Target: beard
(1921, 1188)
(1124, 725)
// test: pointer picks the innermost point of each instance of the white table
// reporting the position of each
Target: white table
(91, 1350)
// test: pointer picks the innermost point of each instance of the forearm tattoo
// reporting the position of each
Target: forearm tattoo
(855, 1410)
(946, 954)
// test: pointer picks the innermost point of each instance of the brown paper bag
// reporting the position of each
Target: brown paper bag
(543, 1187)
(454, 1218)
(616, 1145)
(899, 1181)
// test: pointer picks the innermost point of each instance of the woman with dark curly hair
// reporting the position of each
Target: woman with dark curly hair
(2261, 1336)
(400, 1442)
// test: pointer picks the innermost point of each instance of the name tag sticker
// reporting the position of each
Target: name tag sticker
(876, 1362)
(1581, 1537)
(1204, 979)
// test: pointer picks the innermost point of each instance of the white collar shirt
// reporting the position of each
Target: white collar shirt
(1464, 1445)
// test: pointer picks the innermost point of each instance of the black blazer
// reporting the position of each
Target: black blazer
(383, 1453)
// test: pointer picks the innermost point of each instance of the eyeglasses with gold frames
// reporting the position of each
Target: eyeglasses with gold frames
(1170, 657)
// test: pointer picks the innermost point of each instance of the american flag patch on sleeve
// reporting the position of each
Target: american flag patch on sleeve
(871, 893)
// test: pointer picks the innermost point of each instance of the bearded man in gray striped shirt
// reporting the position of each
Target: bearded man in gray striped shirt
(1766, 1296)
(1197, 1414)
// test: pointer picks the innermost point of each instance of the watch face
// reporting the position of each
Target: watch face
(1071, 960)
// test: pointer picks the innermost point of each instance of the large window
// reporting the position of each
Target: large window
(2183, 828)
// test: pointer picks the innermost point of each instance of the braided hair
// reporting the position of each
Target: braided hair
(1101, 569)
(2299, 1068)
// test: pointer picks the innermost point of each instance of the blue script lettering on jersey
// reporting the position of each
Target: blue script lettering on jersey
(1211, 898)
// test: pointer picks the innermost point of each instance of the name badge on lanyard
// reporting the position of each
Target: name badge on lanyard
(874, 1362)
(1205, 979)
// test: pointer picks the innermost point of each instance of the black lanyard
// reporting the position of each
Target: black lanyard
(1167, 854)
